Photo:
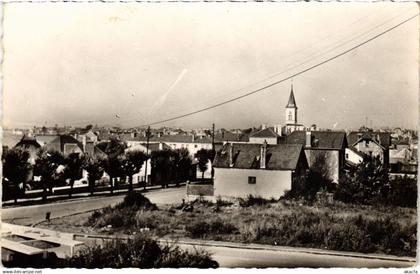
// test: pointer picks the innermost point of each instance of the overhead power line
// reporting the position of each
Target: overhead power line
(283, 79)
(290, 66)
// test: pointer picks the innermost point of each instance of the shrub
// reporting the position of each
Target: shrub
(174, 257)
(123, 214)
(202, 229)
(220, 202)
(252, 201)
(141, 252)
(137, 200)
(116, 218)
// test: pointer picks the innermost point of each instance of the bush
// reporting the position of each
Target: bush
(175, 257)
(252, 201)
(141, 252)
(137, 200)
(220, 202)
(123, 214)
(124, 217)
(202, 229)
(303, 227)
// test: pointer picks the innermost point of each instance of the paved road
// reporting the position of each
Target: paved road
(232, 257)
(251, 258)
(28, 215)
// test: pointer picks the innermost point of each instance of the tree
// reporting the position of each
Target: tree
(164, 164)
(16, 168)
(94, 170)
(74, 163)
(183, 164)
(368, 184)
(203, 156)
(317, 179)
(46, 165)
(113, 167)
(112, 163)
(132, 161)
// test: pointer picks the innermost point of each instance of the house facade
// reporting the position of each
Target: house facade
(323, 147)
(262, 170)
(374, 144)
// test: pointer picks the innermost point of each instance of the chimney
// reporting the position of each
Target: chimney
(230, 155)
(308, 142)
(277, 129)
(193, 138)
(263, 154)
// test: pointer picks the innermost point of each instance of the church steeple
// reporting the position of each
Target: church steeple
(291, 109)
(292, 102)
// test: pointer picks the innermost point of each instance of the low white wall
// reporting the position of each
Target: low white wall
(232, 182)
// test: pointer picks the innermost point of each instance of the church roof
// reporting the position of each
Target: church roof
(292, 102)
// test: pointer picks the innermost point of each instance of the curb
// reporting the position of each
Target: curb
(259, 247)
(105, 194)
(296, 250)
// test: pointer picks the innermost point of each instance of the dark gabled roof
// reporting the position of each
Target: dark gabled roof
(292, 102)
(27, 142)
(45, 139)
(227, 136)
(97, 152)
(265, 133)
(382, 138)
(320, 139)
(246, 156)
(59, 142)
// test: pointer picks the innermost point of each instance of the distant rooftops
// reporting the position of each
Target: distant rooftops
(265, 133)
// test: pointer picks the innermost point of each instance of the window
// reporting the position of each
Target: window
(347, 155)
(290, 116)
(252, 180)
(367, 143)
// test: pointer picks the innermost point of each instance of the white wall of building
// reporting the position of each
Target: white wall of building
(353, 157)
(233, 182)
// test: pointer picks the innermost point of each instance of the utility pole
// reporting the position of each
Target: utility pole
(212, 138)
(213, 153)
(147, 155)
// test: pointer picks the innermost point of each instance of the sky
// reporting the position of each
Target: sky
(131, 64)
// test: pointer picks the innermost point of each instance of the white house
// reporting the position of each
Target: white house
(262, 170)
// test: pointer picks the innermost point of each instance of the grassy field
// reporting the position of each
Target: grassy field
(343, 227)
